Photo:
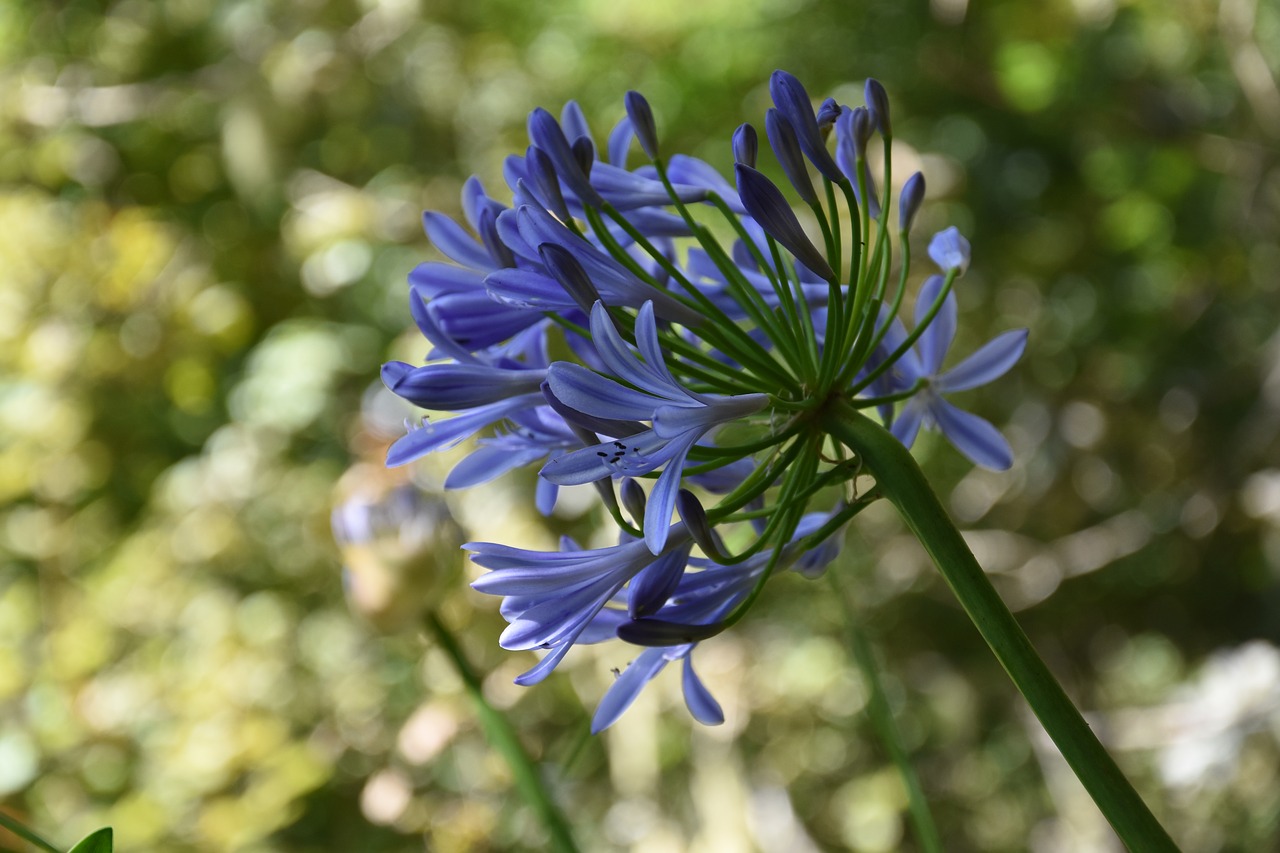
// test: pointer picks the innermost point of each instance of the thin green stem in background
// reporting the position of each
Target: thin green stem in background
(900, 479)
(504, 739)
(881, 716)
(25, 834)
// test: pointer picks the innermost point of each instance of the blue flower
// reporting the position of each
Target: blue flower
(555, 599)
(973, 436)
(679, 417)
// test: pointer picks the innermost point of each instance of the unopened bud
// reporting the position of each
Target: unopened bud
(910, 200)
(745, 145)
(642, 123)
(633, 499)
(878, 104)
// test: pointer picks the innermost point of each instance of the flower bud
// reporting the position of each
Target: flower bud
(584, 153)
(565, 269)
(909, 201)
(695, 520)
(782, 139)
(642, 123)
(633, 500)
(878, 104)
(950, 250)
(768, 207)
(745, 145)
(542, 174)
(827, 115)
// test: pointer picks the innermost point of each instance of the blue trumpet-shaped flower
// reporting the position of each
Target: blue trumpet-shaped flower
(679, 417)
(973, 436)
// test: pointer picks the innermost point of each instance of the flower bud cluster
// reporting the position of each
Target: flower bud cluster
(699, 371)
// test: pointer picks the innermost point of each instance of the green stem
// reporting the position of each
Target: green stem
(900, 479)
(25, 834)
(882, 720)
(502, 737)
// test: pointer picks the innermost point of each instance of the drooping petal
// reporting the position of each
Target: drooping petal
(450, 238)
(655, 583)
(662, 497)
(935, 340)
(973, 436)
(991, 361)
(907, 424)
(488, 463)
(697, 697)
(441, 434)
(624, 690)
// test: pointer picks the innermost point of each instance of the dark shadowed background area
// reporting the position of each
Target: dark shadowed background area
(207, 212)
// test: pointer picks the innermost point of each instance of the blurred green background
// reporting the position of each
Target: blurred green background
(207, 212)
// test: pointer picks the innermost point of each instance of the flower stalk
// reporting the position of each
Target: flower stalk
(901, 481)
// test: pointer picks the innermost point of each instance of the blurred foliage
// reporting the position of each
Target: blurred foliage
(207, 211)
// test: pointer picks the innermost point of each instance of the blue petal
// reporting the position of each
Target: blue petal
(782, 139)
(518, 288)
(992, 360)
(574, 122)
(622, 362)
(662, 498)
(620, 143)
(698, 698)
(450, 238)
(973, 436)
(683, 169)
(638, 454)
(950, 250)
(907, 425)
(624, 690)
(433, 278)
(936, 339)
(592, 394)
(441, 434)
(655, 583)
(488, 463)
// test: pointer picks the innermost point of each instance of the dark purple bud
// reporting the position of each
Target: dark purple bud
(768, 207)
(565, 269)
(642, 123)
(633, 499)
(909, 201)
(584, 153)
(745, 145)
(545, 133)
(487, 226)
(660, 632)
(878, 104)
(694, 517)
(782, 139)
(545, 182)
(861, 128)
(793, 101)
(827, 115)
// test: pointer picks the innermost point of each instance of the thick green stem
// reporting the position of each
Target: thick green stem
(503, 738)
(900, 479)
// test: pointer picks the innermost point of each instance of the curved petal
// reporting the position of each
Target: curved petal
(434, 278)
(662, 497)
(655, 583)
(454, 242)
(992, 360)
(698, 698)
(518, 288)
(624, 690)
(936, 339)
(592, 394)
(620, 142)
(488, 463)
(973, 436)
(907, 425)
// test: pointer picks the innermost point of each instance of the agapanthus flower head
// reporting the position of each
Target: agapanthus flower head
(691, 378)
